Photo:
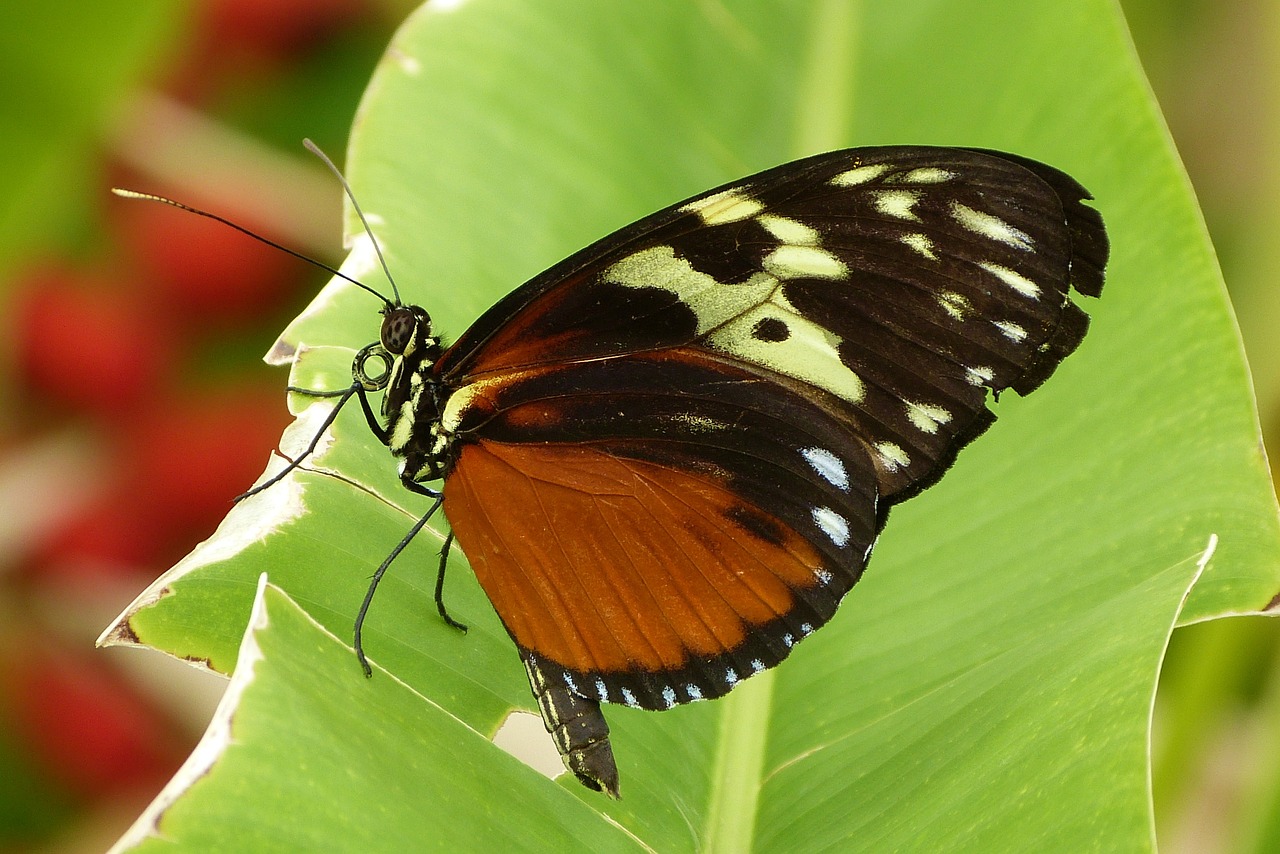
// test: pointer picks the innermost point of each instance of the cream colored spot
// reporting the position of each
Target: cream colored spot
(724, 207)
(892, 456)
(726, 315)
(1012, 331)
(859, 175)
(927, 417)
(711, 302)
(898, 204)
(954, 304)
(1012, 278)
(794, 262)
(456, 404)
(981, 375)
(920, 243)
(789, 230)
(926, 175)
(810, 353)
(980, 222)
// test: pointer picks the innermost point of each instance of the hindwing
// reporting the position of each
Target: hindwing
(655, 545)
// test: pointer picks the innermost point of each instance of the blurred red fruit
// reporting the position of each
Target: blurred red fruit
(189, 456)
(106, 537)
(177, 467)
(87, 342)
(84, 724)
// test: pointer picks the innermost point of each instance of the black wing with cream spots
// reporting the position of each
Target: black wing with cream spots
(893, 286)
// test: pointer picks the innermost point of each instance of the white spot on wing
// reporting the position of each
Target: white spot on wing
(829, 466)
(954, 304)
(699, 423)
(897, 204)
(669, 696)
(628, 697)
(926, 175)
(987, 225)
(693, 691)
(789, 231)
(981, 375)
(1010, 330)
(926, 416)
(892, 455)
(1012, 278)
(859, 175)
(921, 244)
(835, 526)
(725, 207)
(794, 262)
(458, 402)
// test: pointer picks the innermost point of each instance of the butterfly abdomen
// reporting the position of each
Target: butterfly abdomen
(578, 729)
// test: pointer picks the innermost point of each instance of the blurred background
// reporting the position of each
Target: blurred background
(134, 404)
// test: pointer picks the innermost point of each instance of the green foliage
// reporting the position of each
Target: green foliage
(986, 687)
(63, 67)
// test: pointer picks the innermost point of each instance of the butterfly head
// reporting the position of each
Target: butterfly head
(406, 330)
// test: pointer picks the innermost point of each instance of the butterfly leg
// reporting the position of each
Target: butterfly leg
(344, 395)
(377, 577)
(444, 560)
(578, 728)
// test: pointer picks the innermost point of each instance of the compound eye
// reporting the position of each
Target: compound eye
(398, 327)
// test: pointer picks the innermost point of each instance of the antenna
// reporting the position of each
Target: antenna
(315, 149)
(151, 197)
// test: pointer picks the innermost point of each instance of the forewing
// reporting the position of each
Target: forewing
(895, 285)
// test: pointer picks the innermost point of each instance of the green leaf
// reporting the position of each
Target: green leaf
(387, 749)
(988, 685)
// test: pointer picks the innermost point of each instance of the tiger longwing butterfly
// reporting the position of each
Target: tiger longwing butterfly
(669, 456)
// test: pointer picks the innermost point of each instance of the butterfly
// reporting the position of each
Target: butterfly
(669, 457)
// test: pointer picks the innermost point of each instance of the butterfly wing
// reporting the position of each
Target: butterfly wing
(673, 451)
(653, 548)
(896, 283)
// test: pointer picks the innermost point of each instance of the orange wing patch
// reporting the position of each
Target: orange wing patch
(603, 564)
